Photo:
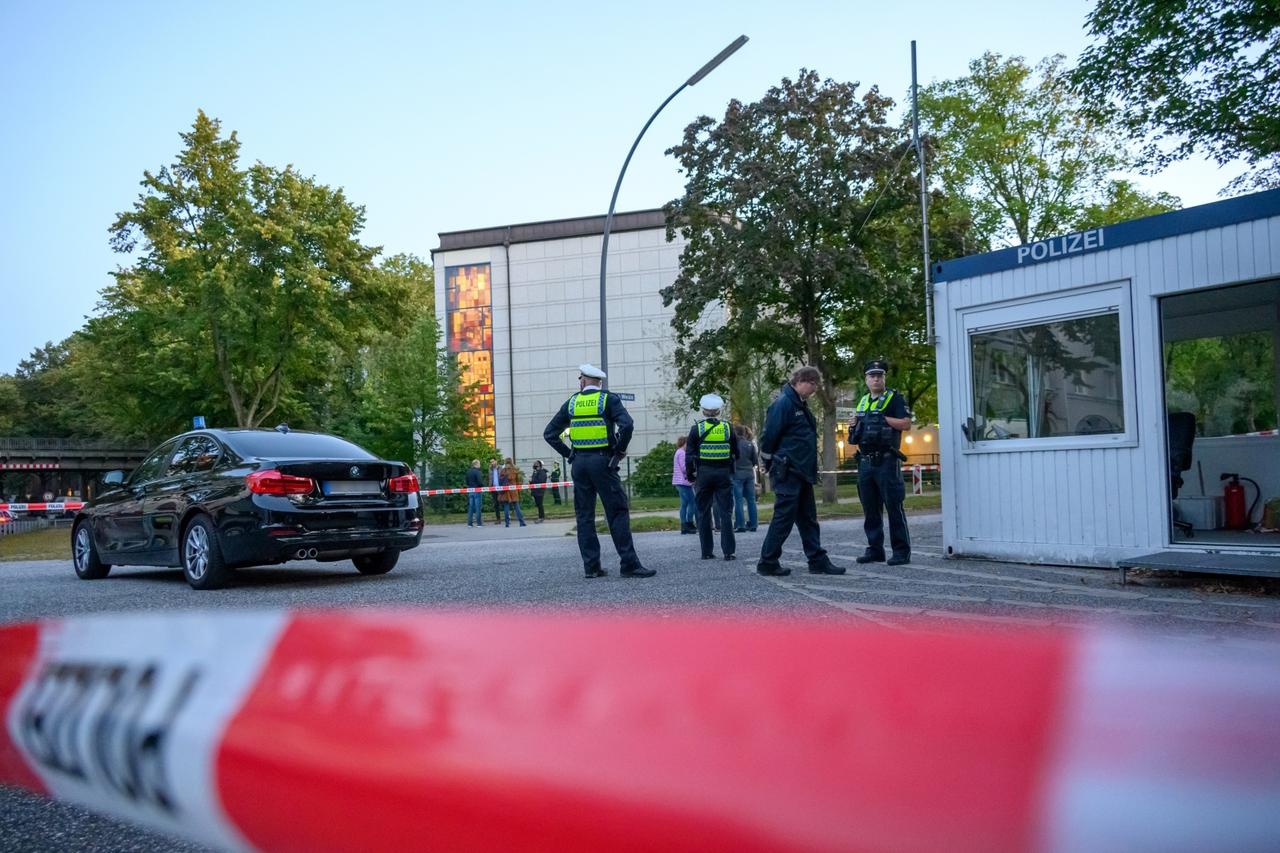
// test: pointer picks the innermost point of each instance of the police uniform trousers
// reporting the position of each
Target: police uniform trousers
(793, 505)
(592, 476)
(715, 485)
(881, 491)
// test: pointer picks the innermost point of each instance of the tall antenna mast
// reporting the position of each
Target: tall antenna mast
(924, 200)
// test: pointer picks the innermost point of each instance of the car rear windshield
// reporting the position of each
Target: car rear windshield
(294, 445)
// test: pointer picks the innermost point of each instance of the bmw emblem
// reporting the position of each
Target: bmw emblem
(355, 471)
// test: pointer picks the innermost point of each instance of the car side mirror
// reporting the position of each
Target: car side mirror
(113, 478)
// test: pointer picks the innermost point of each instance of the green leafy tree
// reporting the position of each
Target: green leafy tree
(1228, 382)
(50, 402)
(652, 475)
(1122, 201)
(794, 211)
(410, 399)
(247, 286)
(1182, 76)
(10, 405)
(448, 470)
(1016, 144)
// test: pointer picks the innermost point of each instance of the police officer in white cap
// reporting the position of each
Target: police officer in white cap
(708, 461)
(599, 432)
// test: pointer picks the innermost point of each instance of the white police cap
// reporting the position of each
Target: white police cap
(711, 402)
(591, 372)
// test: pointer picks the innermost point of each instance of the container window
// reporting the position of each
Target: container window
(1048, 379)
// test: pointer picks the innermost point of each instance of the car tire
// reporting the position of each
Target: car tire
(84, 554)
(201, 555)
(377, 564)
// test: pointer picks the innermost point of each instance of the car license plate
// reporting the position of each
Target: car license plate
(352, 487)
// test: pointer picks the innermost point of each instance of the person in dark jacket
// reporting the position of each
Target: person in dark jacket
(495, 479)
(880, 419)
(599, 430)
(710, 454)
(744, 482)
(789, 448)
(539, 495)
(555, 478)
(475, 500)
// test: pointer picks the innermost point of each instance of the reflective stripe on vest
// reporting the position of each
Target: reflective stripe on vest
(587, 427)
(715, 441)
(866, 404)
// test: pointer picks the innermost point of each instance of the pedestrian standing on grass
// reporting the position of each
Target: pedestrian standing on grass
(744, 482)
(495, 478)
(475, 500)
(510, 475)
(539, 495)
(684, 488)
(555, 478)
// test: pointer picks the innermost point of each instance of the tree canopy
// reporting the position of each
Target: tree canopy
(410, 402)
(794, 215)
(246, 287)
(1182, 76)
(1016, 144)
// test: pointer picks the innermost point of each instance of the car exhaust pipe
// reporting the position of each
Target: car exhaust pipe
(302, 554)
(311, 554)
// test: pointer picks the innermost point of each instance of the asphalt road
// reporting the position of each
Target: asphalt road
(537, 568)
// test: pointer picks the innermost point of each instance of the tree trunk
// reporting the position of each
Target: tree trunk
(828, 448)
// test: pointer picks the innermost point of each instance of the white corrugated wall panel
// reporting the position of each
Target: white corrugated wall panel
(1092, 505)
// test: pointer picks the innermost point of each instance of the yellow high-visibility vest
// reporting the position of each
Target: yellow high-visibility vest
(866, 404)
(587, 428)
(715, 441)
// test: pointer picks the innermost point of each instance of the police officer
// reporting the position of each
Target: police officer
(880, 418)
(709, 460)
(789, 448)
(599, 432)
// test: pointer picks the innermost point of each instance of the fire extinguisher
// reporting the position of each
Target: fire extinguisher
(1237, 517)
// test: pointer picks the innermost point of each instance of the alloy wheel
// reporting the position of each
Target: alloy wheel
(82, 547)
(196, 552)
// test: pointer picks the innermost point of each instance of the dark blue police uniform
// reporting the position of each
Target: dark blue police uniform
(708, 462)
(789, 445)
(880, 486)
(595, 473)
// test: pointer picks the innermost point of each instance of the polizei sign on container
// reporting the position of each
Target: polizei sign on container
(1057, 247)
(1145, 230)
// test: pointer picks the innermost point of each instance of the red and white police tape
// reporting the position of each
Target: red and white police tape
(394, 730)
(73, 505)
(476, 489)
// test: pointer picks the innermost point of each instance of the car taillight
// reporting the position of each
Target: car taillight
(272, 482)
(403, 485)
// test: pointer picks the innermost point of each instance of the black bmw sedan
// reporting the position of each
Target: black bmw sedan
(215, 499)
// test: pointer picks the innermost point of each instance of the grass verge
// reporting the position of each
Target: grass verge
(52, 543)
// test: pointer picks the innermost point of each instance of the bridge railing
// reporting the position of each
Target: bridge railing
(24, 444)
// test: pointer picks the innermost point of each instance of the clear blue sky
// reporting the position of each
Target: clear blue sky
(435, 117)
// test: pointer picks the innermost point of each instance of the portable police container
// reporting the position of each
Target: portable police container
(1103, 393)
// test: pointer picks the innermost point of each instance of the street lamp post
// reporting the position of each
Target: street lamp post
(608, 220)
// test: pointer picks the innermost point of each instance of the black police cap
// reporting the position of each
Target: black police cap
(877, 366)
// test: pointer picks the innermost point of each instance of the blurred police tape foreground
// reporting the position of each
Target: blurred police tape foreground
(462, 490)
(398, 730)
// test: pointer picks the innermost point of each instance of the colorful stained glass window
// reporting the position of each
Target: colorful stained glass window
(469, 318)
